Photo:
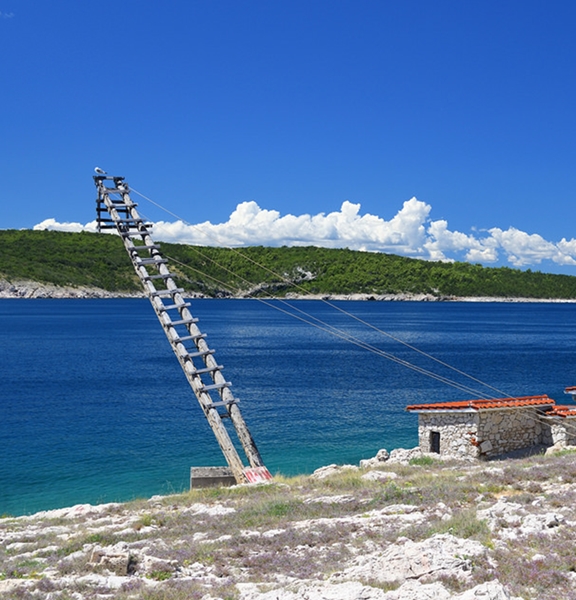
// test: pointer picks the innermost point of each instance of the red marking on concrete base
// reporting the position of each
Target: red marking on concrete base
(257, 474)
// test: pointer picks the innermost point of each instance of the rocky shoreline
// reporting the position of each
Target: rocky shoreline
(33, 289)
(400, 526)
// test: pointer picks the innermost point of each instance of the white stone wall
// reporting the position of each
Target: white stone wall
(458, 432)
(510, 429)
(482, 433)
(569, 425)
(559, 430)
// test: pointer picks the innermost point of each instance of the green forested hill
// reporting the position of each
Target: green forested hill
(86, 259)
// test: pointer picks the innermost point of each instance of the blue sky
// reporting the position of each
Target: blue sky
(440, 129)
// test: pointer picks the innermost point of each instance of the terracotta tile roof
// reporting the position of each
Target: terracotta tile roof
(570, 389)
(562, 411)
(519, 402)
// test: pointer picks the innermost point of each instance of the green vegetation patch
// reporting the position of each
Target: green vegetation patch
(98, 260)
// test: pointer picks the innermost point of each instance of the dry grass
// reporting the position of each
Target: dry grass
(292, 529)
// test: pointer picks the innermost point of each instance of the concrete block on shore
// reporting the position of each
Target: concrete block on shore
(203, 477)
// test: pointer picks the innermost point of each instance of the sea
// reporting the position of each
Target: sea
(94, 407)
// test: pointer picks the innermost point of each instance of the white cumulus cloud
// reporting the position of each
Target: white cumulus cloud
(410, 232)
(53, 225)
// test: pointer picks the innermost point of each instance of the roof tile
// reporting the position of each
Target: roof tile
(519, 402)
(562, 411)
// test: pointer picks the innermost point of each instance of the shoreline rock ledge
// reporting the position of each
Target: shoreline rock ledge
(34, 289)
(25, 289)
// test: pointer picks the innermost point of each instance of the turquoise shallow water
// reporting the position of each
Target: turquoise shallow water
(94, 407)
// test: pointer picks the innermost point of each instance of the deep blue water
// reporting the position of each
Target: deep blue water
(94, 407)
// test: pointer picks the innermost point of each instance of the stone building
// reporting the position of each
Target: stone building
(485, 428)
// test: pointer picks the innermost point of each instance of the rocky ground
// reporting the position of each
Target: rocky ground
(404, 527)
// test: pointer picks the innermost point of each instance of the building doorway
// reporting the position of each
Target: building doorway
(435, 442)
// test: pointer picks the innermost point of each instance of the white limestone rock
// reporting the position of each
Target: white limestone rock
(83, 511)
(381, 457)
(332, 469)
(214, 510)
(117, 559)
(559, 447)
(353, 590)
(502, 513)
(338, 499)
(511, 520)
(349, 590)
(492, 590)
(95, 581)
(403, 456)
(414, 590)
(380, 476)
(439, 555)
(13, 588)
(149, 564)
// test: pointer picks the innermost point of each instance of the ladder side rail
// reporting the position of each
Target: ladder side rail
(211, 413)
(244, 435)
(230, 402)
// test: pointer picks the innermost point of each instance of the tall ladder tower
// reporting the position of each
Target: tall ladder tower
(116, 210)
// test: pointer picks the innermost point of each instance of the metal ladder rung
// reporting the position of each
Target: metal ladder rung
(200, 354)
(167, 292)
(207, 370)
(122, 205)
(150, 261)
(143, 231)
(223, 403)
(173, 306)
(183, 322)
(160, 276)
(215, 386)
(128, 223)
(107, 226)
(185, 338)
(151, 247)
(137, 224)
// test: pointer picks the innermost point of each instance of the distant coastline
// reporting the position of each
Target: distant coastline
(27, 290)
(51, 264)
